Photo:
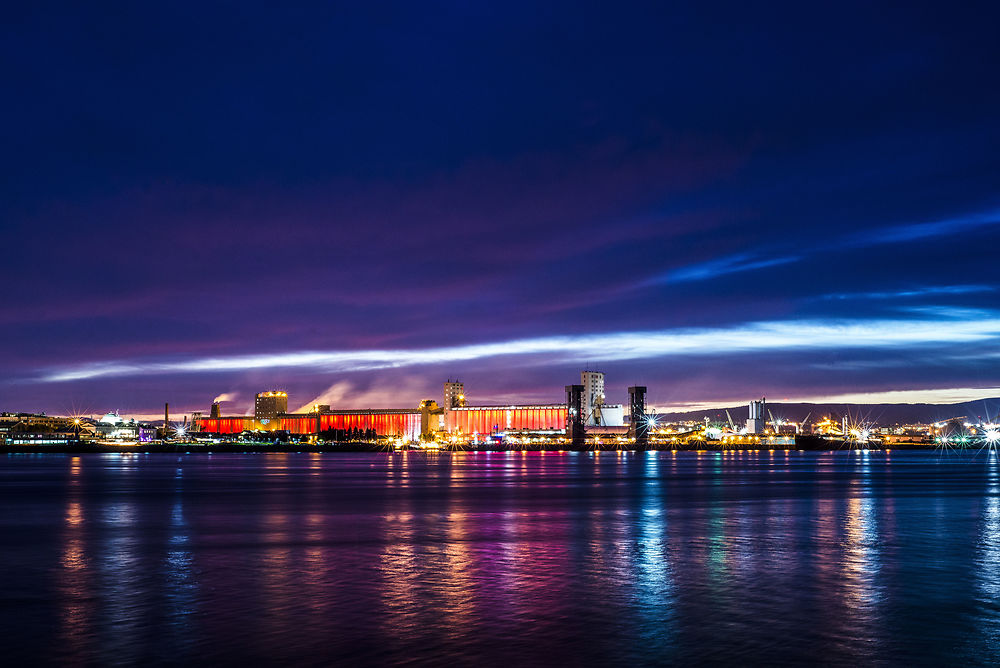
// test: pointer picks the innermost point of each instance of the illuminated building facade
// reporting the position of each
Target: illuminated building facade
(31, 421)
(269, 405)
(385, 422)
(495, 419)
(113, 427)
(38, 429)
(454, 417)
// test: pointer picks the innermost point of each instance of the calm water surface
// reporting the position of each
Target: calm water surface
(501, 558)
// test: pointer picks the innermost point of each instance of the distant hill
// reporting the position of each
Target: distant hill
(883, 414)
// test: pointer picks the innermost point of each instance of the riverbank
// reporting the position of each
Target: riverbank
(801, 443)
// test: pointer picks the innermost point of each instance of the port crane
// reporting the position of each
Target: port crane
(777, 423)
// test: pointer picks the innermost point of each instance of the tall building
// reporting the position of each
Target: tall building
(574, 415)
(454, 394)
(593, 397)
(268, 405)
(756, 421)
(638, 427)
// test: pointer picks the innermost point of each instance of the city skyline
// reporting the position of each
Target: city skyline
(712, 203)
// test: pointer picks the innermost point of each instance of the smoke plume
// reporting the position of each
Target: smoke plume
(405, 393)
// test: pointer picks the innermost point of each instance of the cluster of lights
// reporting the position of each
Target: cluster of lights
(859, 434)
(987, 435)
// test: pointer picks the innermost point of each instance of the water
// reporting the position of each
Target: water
(501, 558)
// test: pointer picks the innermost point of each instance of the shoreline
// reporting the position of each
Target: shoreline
(262, 448)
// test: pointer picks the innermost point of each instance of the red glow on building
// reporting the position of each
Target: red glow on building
(227, 425)
(396, 424)
(490, 419)
(385, 423)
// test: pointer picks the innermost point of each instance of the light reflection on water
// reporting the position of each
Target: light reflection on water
(74, 577)
(988, 560)
(494, 558)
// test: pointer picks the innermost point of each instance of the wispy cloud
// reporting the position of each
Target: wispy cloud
(727, 265)
(926, 291)
(918, 231)
(752, 261)
(975, 326)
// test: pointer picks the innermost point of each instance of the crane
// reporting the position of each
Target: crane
(777, 423)
(803, 424)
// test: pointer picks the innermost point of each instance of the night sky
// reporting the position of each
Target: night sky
(357, 201)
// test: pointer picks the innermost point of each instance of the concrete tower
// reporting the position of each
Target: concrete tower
(756, 420)
(593, 397)
(268, 405)
(454, 394)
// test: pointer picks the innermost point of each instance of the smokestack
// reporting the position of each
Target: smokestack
(166, 418)
(216, 410)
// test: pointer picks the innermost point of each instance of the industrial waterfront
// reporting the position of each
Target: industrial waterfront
(584, 421)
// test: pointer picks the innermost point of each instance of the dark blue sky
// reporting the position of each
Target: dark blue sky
(357, 201)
